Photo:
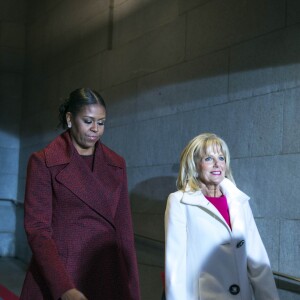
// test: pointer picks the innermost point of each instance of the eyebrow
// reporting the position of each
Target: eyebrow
(94, 118)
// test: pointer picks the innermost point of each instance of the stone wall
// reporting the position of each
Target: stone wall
(170, 70)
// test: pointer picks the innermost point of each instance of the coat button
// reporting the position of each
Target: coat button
(240, 244)
(234, 289)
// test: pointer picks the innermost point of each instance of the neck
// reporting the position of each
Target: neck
(213, 191)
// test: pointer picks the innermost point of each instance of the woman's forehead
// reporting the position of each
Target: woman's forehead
(213, 148)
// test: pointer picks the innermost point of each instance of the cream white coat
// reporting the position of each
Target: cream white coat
(204, 257)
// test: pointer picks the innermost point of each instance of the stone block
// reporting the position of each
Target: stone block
(9, 160)
(272, 192)
(7, 244)
(9, 185)
(7, 217)
(258, 120)
(289, 254)
(291, 129)
(121, 103)
(264, 65)
(12, 35)
(187, 5)
(293, 12)
(220, 24)
(82, 74)
(269, 230)
(134, 18)
(185, 87)
(11, 59)
(155, 50)
(10, 138)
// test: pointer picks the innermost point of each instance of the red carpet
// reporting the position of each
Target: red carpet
(5, 294)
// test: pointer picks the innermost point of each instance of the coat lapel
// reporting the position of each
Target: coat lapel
(93, 188)
(235, 198)
(198, 199)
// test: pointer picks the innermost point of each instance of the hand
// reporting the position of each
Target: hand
(73, 294)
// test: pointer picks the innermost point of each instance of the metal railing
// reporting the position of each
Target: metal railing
(283, 281)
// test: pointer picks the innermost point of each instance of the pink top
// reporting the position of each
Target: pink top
(221, 204)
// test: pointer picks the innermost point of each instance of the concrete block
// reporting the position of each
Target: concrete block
(289, 254)
(265, 180)
(12, 35)
(10, 138)
(82, 74)
(11, 89)
(256, 177)
(185, 87)
(220, 24)
(121, 103)
(258, 120)
(293, 12)
(7, 244)
(257, 68)
(9, 160)
(291, 130)
(154, 51)
(134, 18)
(95, 34)
(269, 230)
(9, 185)
(187, 5)
(7, 217)
(13, 10)
(11, 59)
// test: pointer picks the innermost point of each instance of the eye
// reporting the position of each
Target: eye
(101, 122)
(87, 121)
(208, 158)
(221, 158)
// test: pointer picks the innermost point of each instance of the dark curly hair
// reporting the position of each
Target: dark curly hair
(76, 100)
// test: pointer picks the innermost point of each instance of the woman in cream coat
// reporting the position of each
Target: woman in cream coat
(213, 252)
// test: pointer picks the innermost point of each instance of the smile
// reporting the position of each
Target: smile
(216, 172)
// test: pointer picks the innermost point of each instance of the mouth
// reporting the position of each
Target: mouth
(216, 172)
(93, 138)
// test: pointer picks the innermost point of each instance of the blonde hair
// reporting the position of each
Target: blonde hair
(195, 150)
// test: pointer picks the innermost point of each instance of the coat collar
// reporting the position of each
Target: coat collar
(61, 151)
(93, 188)
(228, 188)
(235, 198)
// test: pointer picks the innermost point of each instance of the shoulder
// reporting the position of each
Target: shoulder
(112, 157)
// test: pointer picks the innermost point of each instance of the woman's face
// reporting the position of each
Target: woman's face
(212, 167)
(87, 127)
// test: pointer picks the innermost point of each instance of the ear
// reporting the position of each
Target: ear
(69, 119)
(68, 116)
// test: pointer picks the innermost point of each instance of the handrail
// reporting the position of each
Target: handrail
(293, 278)
(289, 277)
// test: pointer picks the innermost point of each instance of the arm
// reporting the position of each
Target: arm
(259, 270)
(175, 250)
(123, 221)
(38, 219)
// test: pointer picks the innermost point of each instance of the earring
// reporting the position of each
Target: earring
(69, 125)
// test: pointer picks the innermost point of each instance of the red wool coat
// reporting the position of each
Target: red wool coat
(78, 224)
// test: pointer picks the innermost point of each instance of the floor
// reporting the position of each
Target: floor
(12, 273)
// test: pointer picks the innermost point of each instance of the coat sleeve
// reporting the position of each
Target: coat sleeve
(37, 222)
(123, 221)
(259, 269)
(175, 250)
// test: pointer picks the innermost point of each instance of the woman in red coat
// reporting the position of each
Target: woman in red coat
(77, 212)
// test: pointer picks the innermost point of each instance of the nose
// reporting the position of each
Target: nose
(94, 127)
(216, 163)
